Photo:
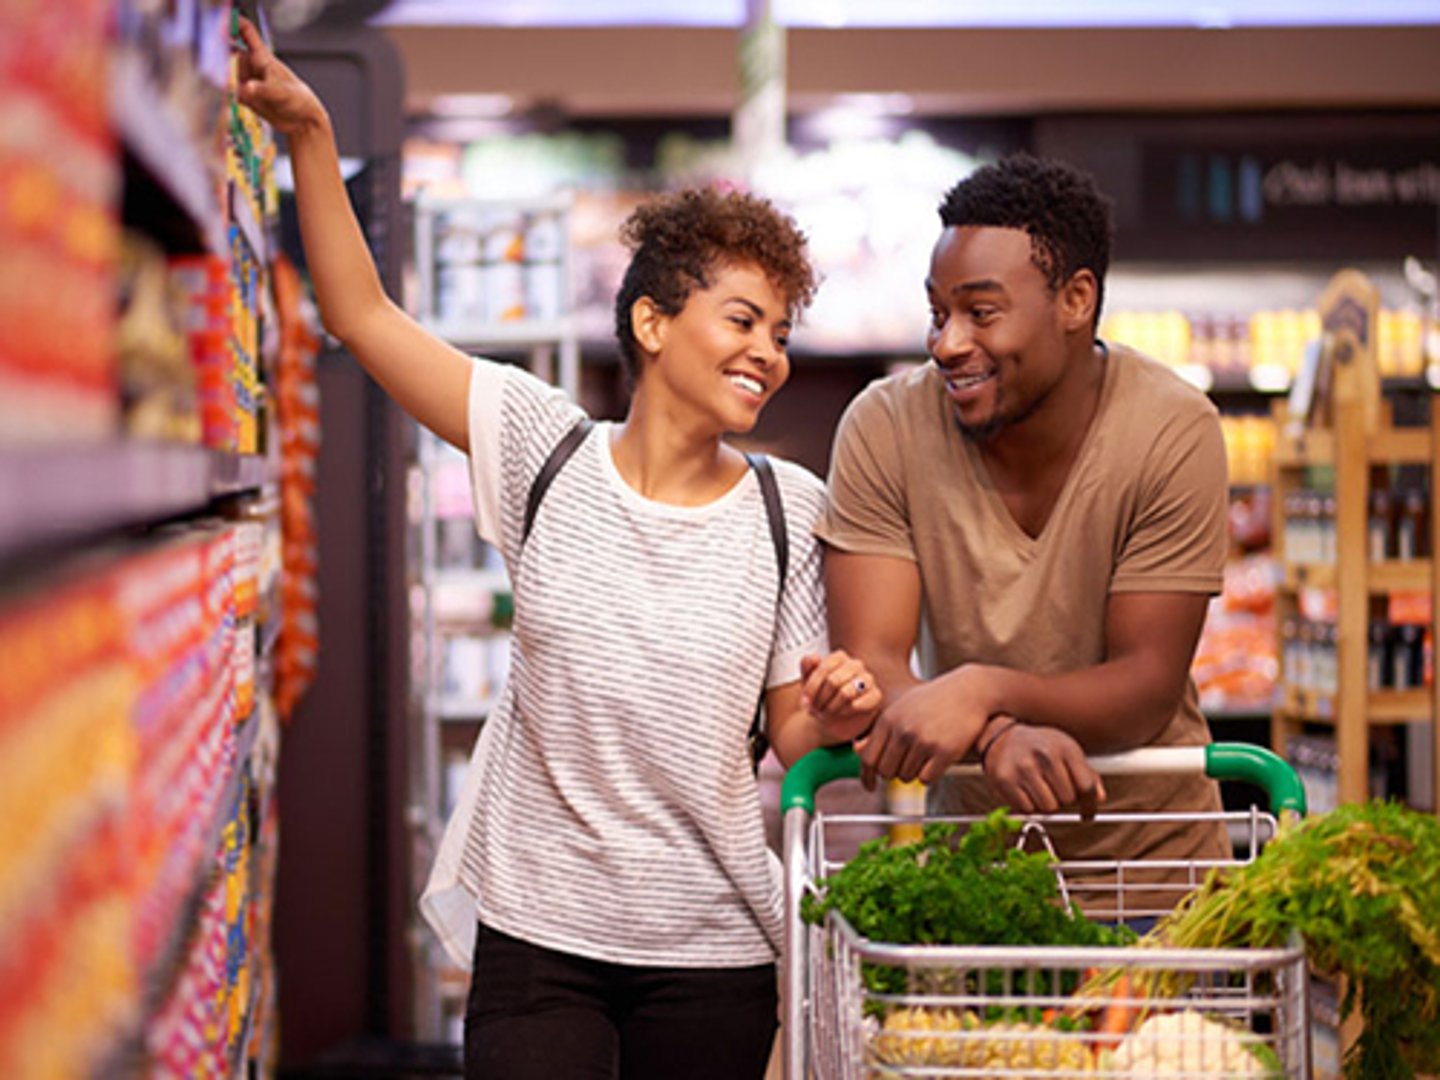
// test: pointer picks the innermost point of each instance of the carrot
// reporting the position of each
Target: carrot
(1118, 1015)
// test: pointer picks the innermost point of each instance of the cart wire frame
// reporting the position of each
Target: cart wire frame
(977, 1011)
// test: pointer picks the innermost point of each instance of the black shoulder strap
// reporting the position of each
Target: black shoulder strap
(562, 453)
(774, 513)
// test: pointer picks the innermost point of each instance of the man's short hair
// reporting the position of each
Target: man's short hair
(1069, 221)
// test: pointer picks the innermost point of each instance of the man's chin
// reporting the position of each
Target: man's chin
(982, 431)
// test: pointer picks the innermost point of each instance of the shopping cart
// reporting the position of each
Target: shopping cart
(997, 1011)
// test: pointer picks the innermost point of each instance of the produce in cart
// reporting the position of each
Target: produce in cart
(1190, 1042)
(963, 955)
(1361, 885)
(974, 888)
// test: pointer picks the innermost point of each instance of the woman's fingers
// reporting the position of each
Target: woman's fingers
(830, 683)
(255, 57)
(256, 51)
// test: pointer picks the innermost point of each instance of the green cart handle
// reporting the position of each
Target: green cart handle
(1219, 761)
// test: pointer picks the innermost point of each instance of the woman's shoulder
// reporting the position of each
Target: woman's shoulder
(531, 411)
(799, 485)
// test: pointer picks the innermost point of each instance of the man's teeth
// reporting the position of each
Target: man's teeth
(964, 382)
(745, 382)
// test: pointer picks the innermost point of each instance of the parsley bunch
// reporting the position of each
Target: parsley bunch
(954, 888)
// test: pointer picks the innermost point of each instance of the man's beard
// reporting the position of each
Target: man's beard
(998, 421)
(980, 433)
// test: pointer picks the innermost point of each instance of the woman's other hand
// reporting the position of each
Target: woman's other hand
(276, 93)
(841, 694)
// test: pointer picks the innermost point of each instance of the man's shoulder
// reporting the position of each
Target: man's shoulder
(1149, 388)
(900, 399)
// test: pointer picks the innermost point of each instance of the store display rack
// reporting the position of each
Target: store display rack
(493, 279)
(1341, 428)
(143, 605)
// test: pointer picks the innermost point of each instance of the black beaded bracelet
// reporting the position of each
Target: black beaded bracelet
(996, 738)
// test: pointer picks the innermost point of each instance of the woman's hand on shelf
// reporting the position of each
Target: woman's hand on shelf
(277, 94)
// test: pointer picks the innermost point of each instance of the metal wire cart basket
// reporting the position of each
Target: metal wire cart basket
(1064, 1011)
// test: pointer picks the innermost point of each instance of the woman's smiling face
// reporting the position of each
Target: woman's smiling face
(724, 353)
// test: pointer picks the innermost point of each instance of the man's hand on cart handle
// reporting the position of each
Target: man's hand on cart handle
(1038, 769)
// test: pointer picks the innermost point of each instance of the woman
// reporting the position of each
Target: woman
(607, 857)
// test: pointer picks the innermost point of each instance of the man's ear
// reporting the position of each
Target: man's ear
(1077, 301)
(649, 325)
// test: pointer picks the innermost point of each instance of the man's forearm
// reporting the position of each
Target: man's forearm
(1087, 704)
(894, 675)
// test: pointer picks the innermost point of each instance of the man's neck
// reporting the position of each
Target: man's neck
(1050, 438)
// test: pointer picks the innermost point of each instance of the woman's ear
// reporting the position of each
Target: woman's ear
(649, 325)
(1077, 301)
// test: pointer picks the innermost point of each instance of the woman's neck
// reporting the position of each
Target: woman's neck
(662, 461)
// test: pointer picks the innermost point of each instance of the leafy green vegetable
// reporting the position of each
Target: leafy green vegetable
(1361, 885)
(975, 890)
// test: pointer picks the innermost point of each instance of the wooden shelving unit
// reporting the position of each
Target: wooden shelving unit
(1348, 430)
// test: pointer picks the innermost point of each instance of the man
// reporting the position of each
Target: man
(1051, 508)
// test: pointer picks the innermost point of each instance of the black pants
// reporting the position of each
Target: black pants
(536, 1014)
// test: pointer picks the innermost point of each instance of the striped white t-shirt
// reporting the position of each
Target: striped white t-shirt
(610, 809)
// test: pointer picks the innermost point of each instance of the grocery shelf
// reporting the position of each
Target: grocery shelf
(1400, 446)
(231, 473)
(1235, 714)
(1308, 446)
(269, 633)
(1395, 575)
(1381, 706)
(483, 580)
(1390, 446)
(240, 1053)
(243, 214)
(147, 127)
(1309, 576)
(463, 710)
(1399, 706)
(50, 494)
(1382, 578)
(161, 976)
(502, 335)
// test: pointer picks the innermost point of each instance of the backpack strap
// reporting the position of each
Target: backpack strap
(775, 516)
(562, 453)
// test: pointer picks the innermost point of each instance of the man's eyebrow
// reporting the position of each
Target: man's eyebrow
(981, 285)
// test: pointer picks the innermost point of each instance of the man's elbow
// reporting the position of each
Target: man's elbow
(1162, 707)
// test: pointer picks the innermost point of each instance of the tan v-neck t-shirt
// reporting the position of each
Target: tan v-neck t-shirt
(1143, 510)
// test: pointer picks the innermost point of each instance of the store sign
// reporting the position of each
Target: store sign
(1383, 199)
(1256, 186)
(1342, 183)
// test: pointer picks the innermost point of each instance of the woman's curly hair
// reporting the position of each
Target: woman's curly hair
(678, 241)
(1068, 219)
